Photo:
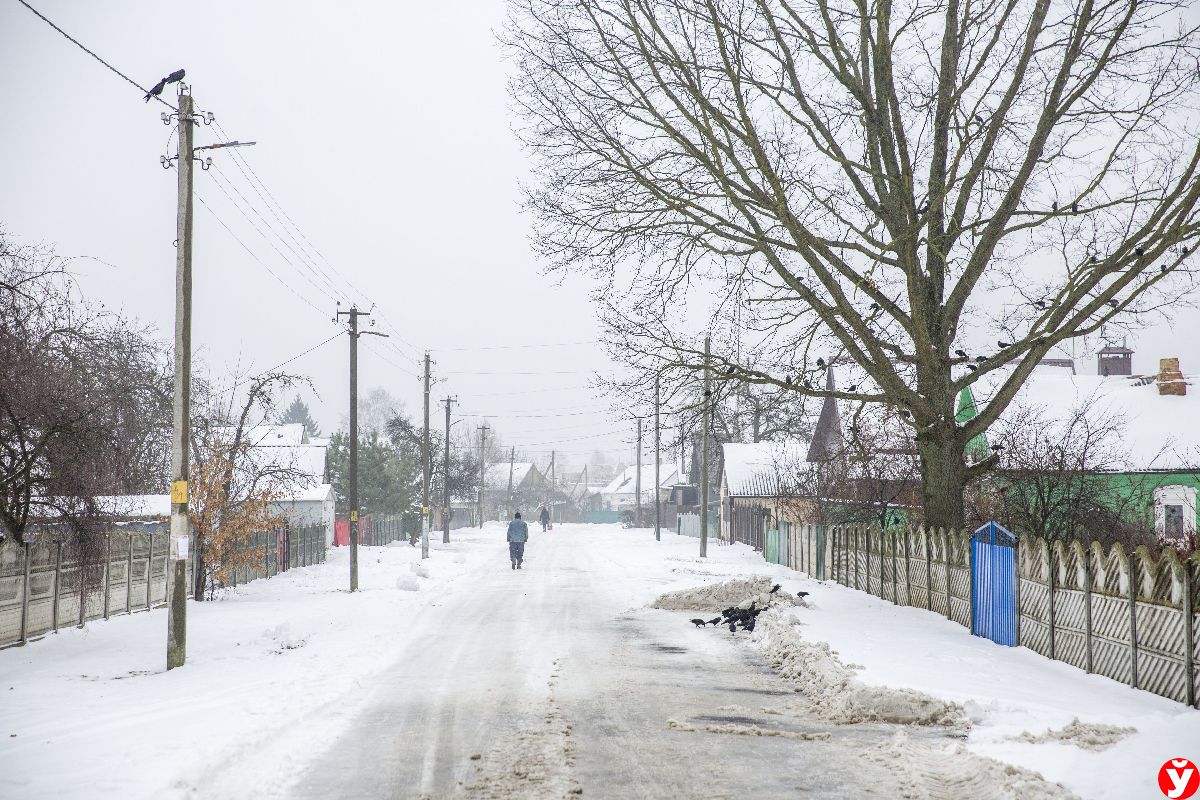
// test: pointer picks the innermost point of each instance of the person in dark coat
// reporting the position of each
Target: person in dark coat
(518, 534)
(544, 517)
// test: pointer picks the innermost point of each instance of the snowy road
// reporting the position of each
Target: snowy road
(558, 677)
(488, 662)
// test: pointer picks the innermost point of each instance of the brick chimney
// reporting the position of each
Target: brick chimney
(1170, 379)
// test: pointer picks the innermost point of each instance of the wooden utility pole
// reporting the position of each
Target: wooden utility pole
(425, 464)
(637, 480)
(181, 424)
(446, 481)
(354, 332)
(657, 468)
(482, 468)
(704, 459)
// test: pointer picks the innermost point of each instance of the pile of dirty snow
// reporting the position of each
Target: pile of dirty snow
(933, 773)
(716, 597)
(831, 687)
(1092, 736)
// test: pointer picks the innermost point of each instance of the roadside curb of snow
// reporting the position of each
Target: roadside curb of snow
(833, 691)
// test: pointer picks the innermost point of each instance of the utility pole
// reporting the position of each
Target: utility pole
(657, 467)
(425, 464)
(482, 469)
(354, 314)
(512, 458)
(446, 482)
(704, 459)
(550, 502)
(637, 481)
(181, 423)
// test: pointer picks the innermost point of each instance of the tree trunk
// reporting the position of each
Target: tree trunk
(199, 566)
(943, 478)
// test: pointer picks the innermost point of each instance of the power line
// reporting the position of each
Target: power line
(509, 347)
(306, 352)
(79, 44)
(256, 258)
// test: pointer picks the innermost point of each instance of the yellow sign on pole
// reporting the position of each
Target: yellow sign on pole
(179, 492)
(354, 516)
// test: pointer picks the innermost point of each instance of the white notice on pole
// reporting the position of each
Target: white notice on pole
(180, 546)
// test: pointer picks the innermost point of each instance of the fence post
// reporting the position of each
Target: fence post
(895, 564)
(150, 574)
(1133, 655)
(946, 558)
(1185, 607)
(107, 564)
(907, 575)
(1087, 610)
(82, 591)
(129, 576)
(25, 599)
(1017, 591)
(1050, 583)
(57, 580)
(928, 570)
(868, 535)
(971, 573)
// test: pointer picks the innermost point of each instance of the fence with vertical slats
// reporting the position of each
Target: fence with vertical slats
(45, 585)
(1129, 617)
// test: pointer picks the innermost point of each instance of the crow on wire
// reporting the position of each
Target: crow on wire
(174, 77)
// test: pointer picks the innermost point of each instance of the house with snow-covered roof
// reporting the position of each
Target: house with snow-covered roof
(1158, 447)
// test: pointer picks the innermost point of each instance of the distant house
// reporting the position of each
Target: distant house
(284, 447)
(622, 489)
(529, 489)
(1161, 440)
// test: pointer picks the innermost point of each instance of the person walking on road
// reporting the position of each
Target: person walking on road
(518, 534)
(545, 518)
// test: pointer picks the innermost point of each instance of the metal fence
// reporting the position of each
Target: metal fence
(1129, 617)
(46, 584)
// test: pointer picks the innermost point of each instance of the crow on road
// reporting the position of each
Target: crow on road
(699, 623)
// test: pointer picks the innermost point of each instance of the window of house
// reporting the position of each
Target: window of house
(1173, 521)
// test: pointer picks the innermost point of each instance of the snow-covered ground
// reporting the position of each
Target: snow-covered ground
(294, 687)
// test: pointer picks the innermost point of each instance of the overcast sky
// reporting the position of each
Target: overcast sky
(384, 134)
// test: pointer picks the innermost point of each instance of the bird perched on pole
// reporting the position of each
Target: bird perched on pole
(174, 77)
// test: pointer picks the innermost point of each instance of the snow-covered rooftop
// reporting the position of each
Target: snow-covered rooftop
(1162, 432)
(626, 481)
(753, 470)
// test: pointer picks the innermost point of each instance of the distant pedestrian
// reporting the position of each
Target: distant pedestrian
(545, 518)
(518, 534)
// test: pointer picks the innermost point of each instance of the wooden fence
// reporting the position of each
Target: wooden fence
(45, 585)
(1129, 617)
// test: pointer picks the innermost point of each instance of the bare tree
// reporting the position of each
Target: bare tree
(84, 401)
(1060, 478)
(865, 179)
(236, 482)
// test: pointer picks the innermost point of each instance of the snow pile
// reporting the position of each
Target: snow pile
(748, 730)
(408, 583)
(931, 773)
(716, 597)
(832, 688)
(419, 569)
(1092, 736)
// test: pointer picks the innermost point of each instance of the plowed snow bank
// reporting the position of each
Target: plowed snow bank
(930, 773)
(716, 597)
(832, 688)
(1086, 735)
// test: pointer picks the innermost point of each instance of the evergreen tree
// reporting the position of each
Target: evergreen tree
(298, 412)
